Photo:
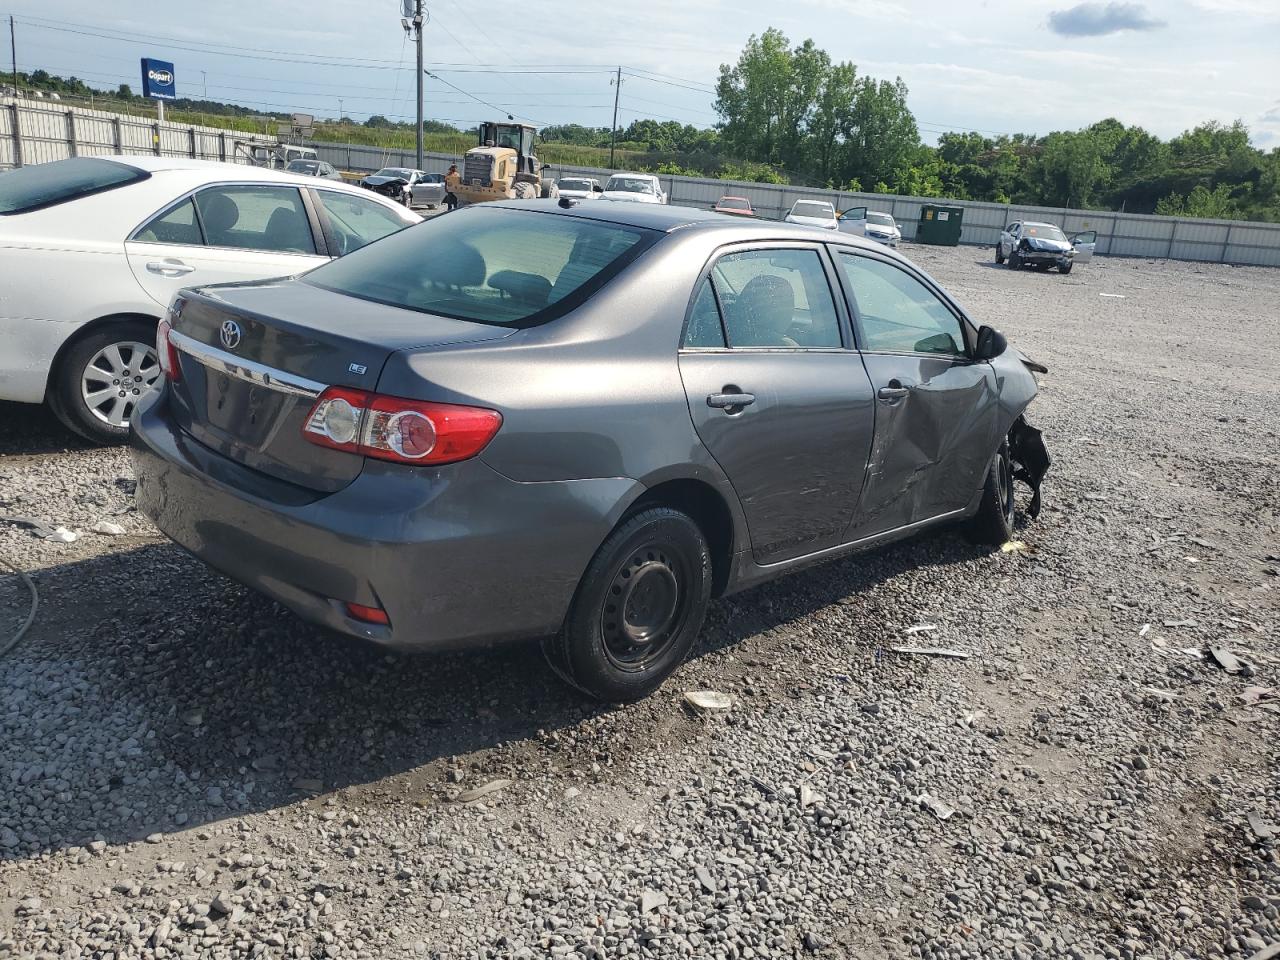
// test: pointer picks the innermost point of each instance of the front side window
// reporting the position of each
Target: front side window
(255, 218)
(507, 267)
(776, 298)
(897, 313)
(45, 184)
(358, 221)
(176, 225)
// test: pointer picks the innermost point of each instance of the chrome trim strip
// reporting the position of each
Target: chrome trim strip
(260, 375)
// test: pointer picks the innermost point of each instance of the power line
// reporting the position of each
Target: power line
(478, 99)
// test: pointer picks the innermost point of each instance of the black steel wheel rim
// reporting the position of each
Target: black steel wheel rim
(645, 607)
(1004, 475)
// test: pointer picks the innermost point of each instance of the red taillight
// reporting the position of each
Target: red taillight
(368, 614)
(167, 352)
(404, 431)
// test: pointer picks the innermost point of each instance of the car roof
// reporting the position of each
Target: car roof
(627, 173)
(214, 168)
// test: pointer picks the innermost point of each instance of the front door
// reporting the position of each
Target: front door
(225, 232)
(1084, 244)
(778, 397)
(935, 408)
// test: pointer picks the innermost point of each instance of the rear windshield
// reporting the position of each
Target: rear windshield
(501, 266)
(812, 208)
(45, 184)
(630, 185)
(734, 203)
(566, 184)
(303, 166)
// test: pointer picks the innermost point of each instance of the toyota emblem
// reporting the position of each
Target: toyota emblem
(230, 334)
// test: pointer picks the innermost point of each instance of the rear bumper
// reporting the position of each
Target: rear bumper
(458, 556)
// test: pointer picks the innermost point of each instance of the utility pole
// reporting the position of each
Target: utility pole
(412, 20)
(613, 131)
(13, 50)
(204, 85)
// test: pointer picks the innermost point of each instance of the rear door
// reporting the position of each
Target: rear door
(935, 409)
(777, 395)
(1084, 244)
(221, 233)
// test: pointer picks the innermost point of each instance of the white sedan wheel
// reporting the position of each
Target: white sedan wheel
(116, 378)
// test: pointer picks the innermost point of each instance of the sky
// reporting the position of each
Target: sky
(997, 66)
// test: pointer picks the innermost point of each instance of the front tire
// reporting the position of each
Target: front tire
(993, 523)
(999, 255)
(1015, 261)
(102, 377)
(525, 191)
(1065, 268)
(638, 608)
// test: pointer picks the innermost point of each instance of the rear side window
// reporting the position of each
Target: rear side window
(704, 329)
(256, 218)
(508, 267)
(45, 184)
(776, 298)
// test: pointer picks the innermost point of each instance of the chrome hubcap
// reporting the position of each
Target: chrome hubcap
(116, 378)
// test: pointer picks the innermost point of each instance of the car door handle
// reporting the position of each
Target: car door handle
(725, 401)
(170, 268)
(892, 393)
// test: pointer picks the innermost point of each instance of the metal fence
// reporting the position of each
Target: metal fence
(38, 133)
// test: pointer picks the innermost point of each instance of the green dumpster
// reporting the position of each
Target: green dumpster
(939, 225)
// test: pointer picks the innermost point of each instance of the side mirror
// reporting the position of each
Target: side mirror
(597, 188)
(991, 343)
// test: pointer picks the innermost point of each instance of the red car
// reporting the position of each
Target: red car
(739, 206)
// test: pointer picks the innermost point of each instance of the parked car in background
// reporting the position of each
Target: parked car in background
(634, 188)
(813, 213)
(393, 181)
(738, 206)
(313, 168)
(580, 188)
(1043, 246)
(428, 191)
(434, 429)
(872, 224)
(93, 249)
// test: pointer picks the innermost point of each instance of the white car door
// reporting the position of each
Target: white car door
(854, 221)
(1084, 244)
(223, 232)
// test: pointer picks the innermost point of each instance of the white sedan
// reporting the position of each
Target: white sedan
(634, 188)
(813, 213)
(93, 249)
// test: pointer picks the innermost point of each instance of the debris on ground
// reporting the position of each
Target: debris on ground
(107, 528)
(1229, 662)
(708, 700)
(1014, 546)
(39, 528)
(939, 808)
(493, 786)
(920, 628)
(1252, 695)
(651, 900)
(932, 652)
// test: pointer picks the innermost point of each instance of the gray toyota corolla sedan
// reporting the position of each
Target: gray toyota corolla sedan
(574, 422)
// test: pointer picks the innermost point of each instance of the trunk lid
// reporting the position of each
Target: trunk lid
(255, 356)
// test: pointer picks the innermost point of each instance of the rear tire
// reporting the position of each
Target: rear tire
(993, 523)
(550, 191)
(102, 376)
(525, 191)
(638, 608)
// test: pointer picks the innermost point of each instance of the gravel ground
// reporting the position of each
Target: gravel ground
(186, 770)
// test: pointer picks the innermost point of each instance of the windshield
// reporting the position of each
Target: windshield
(881, 219)
(567, 184)
(631, 185)
(45, 184)
(734, 203)
(303, 166)
(394, 172)
(813, 208)
(507, 267)
(1044, 231)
